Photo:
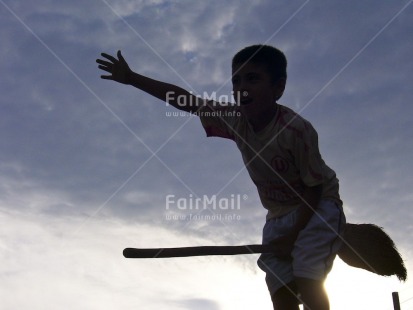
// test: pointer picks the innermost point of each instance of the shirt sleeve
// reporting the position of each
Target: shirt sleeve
(307, 155)
(217, 120)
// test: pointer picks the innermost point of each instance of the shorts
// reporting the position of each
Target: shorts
(314, 250)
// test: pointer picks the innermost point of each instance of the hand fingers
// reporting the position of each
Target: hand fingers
(104, 68)
(104, 62)
(120, 57)
(110, 65)
(111, 58)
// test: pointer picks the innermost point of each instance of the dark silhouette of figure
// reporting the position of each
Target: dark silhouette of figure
(280, 151)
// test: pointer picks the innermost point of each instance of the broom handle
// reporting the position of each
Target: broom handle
(198, 251)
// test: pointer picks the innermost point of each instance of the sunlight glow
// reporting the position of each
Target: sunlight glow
(352, 288)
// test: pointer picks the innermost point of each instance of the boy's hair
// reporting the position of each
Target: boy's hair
(273, 59)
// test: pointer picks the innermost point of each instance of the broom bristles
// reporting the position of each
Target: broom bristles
(368, 247)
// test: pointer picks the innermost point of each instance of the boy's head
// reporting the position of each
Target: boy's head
(272, 58)
(258, 79)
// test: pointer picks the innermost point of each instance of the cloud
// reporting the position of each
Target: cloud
(203, 304)
(61, 262)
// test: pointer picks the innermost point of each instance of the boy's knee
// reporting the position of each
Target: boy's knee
(308, 284)
(286, 297)
(312, 293)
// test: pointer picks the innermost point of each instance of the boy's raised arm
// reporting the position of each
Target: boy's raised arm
(174, 95)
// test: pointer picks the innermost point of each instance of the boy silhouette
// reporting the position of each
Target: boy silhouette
(280, 151)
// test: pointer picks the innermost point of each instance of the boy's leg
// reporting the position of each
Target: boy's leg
(285, 298)
(314, 252)
(313, 294)
(313, 256)
(279, 271)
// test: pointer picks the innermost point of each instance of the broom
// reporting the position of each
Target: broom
(365, 246)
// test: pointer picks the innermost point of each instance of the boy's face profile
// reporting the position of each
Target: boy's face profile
(255, 91)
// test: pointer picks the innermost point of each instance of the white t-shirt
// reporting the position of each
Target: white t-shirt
(281, 159)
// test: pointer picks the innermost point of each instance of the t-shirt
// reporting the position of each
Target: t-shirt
(281, 159)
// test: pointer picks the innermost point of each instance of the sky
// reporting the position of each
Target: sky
(89, 167)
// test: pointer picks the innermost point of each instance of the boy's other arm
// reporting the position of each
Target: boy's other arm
(174, 95)
(312, 197)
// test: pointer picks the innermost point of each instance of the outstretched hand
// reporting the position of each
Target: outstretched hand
(118, 68)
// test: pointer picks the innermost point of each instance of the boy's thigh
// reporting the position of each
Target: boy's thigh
(318, 243)
(314, 250)
(279, 271)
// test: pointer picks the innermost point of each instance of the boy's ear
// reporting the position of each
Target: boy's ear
(279, 87)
